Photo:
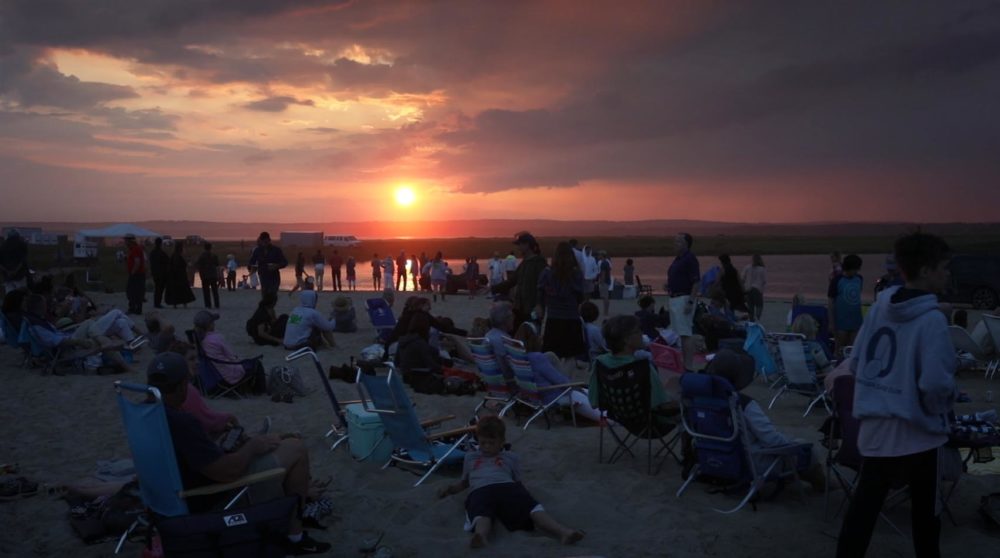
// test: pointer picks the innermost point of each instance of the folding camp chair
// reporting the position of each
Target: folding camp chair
(822, 316)
(381, 316)
(210, 380)
(843, 459)
(799, 377)
(756, 345)
(625, 401)
(338, 429)
(964, 343)
(498, 393)
(256, 530)
(529, 393)
(52, 359)
(993, 327)
(412, 444)
(712, 415)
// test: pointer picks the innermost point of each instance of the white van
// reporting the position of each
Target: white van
(345, 240)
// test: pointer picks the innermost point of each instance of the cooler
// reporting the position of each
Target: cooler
(364, 433)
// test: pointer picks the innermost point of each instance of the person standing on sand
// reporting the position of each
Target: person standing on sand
(683, 281)
(496, 270)
(208, 271)
(267, 261)
(376, 273)
(352, 273)
(754, 280)
(525, 278)
(319, 268)
(231, 272)
(401, 270)
(904, 364)
(336, 262)
(159, 263)
(178, 289)
(136, 265)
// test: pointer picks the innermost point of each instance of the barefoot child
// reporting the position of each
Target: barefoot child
(497, 492)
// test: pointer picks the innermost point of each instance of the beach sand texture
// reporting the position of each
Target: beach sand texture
(56, 428)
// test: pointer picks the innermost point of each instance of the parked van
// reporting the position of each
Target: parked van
(345, 240)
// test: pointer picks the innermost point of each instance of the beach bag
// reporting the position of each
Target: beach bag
(255, 531)
(283, 380)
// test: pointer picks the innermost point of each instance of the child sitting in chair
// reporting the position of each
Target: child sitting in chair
(497, 492)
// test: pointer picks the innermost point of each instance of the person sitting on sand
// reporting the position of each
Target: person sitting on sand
(163, 335)
(420, 305)
(307, 327)
(543, 368)
(497, 492)
(344, 315)
(202, 462)
(264, 327)
(217, 349)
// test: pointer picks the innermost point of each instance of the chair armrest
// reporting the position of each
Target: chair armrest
(452, 432)
(781, 450)
(435, 421)
(563, 386)
(238, 483)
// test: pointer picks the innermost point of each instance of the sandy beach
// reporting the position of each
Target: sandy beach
(57, 428)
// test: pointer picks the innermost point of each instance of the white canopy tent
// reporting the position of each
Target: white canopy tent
(118, 231)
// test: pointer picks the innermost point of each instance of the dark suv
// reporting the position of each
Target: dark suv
(975, 280)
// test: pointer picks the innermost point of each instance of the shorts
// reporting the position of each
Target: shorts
(679, 321)
(508, 502)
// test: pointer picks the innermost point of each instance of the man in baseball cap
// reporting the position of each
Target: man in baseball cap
(202, 462)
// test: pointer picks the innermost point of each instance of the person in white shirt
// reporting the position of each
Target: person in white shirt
(497, 269)
(754, 280)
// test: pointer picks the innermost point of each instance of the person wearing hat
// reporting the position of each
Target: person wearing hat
(344, 315)
(525, 278)
(306, 327)
(267, 261)
(738, 369)
(135, 263)
(202, 462)
(214, 345)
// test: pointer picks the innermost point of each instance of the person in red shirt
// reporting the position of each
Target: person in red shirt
(135, 263)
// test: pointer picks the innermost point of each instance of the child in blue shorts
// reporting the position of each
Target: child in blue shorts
(497, 493)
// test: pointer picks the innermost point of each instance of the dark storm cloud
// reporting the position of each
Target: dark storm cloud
(30, 81)
(277, 104)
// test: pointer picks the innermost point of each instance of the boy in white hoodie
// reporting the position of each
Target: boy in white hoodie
(905, 364)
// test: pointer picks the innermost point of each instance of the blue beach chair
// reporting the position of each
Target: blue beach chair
(254, 530)
(712, 414)
(381, 316)
(412, 444)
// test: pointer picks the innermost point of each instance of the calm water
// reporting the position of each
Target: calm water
(786, 275)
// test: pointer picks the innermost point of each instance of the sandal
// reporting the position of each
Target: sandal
(13, 488)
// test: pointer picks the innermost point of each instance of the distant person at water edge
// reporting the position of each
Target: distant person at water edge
(178, 289)
(136, 266)
(496, 269)
(401, 271)
(683, 282)
(389, 271)
(524, 282)
(267, 261)
(300, 273)
(319, 268)
(376, 273)
(844, 295)
(231, 266)
(731, 285)
(836, 268)
(511, 264)
(904, 364)
(159, 265)
(754, 280)
(590, 272)
(208, 271)
(628, 272)
(352, 273)
(472, 276)
(437, 270)
(307, 327)
(336, 262)
(604, 279)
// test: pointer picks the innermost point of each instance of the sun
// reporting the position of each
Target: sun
(405, 196)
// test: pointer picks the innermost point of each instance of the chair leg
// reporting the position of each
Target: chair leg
(125, 536)
(777, 395)
(687, 482)
(438, 462)
(820, 397)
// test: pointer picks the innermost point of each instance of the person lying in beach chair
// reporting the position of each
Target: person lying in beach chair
(629, 392)
(413, 445)
(278, 469)
(56, 350)
(734, 441)
(494, 474)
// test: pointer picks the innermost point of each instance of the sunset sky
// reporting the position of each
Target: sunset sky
(280, 110)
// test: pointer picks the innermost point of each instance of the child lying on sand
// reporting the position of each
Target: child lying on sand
(497, 492)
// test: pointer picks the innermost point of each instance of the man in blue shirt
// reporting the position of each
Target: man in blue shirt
(202, 462)
(683, 281)
(267, 260)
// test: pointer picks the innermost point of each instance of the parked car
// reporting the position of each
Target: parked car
(975, 280)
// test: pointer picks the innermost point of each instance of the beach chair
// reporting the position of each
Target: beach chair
(249, 530)
(530, 393)
(412, 444)
(843, 459)
(712, 414)
(338, 429)
(210, 381)
(964, 343)
(624, 399)
(799, 377)
(52, 359)
(756, 345)
(381, 316)
(498, 393)
(993, 327)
